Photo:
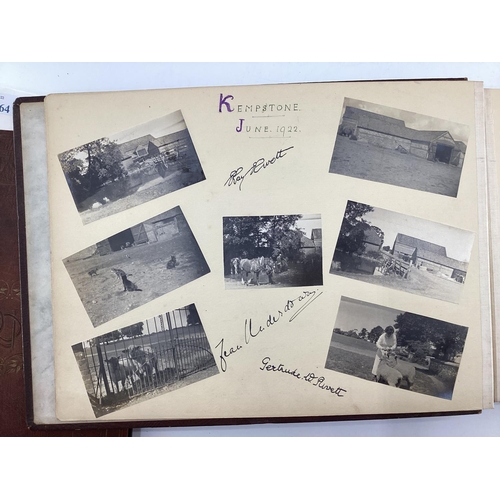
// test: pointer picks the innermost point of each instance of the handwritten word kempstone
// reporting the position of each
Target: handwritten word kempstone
(236, 177)
(314, 380)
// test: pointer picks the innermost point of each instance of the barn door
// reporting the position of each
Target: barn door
(139, 234)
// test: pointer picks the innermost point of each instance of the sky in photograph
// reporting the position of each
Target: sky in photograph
(458, 243)
(169, 124)
(354, 314)
(309, 222)
(165, 125)
(416, 121)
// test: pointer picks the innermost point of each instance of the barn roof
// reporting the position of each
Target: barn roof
(410, 241)
(391, 126)
(170, 138)
(316, 234)
(306, 242)
(442, 260)
(127, 148)
(372, 236)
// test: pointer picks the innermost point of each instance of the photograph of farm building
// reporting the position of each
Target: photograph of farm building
(406, 253)
(275, 251)
(145, 360)
(112, 174)
(423, 354)
(398, 147)
(136, 265)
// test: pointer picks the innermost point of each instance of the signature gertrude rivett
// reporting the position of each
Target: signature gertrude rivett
(236, 177)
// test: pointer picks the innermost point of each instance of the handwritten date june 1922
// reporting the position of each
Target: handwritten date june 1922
(236, 177)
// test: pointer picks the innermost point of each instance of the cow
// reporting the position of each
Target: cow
(123, 370)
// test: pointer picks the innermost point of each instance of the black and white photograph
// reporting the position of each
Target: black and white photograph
(115, 173)
(145, 360)
(136, 265)
(399, 147)
(396, 348)
(272, 251)
(398, 251)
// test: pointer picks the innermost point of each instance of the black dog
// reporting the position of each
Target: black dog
(128, 286)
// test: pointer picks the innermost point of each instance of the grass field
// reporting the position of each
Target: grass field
(365, 161)
(355, 357)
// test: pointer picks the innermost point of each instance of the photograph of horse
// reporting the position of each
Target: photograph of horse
(272, 251)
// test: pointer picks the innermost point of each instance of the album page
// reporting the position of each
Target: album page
(265, 251)
(492, 99)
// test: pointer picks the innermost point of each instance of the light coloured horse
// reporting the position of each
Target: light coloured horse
(251, 268)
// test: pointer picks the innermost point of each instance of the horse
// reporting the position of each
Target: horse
(235, 265)
(250, 268)
(253, 267)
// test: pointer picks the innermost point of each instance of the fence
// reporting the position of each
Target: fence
(124, 364)
(392, 265)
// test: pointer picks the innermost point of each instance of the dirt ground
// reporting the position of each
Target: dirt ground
(419, 282)
(103, 294)
(100, 410)
(355, 357)
(365, 161)
(291, 277)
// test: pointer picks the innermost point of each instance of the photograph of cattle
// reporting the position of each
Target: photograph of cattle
(399, 147)
(136, 265)
(115, 173)
(145, 360)
(396, 348)
(406, 253)
(272, 251)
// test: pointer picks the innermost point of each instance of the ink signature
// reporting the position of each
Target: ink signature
(235, 177)
(292, 308)
(316, 381)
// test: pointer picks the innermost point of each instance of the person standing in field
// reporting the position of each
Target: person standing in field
(386, 342)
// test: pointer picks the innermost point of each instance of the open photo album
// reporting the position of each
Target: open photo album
(256, 253)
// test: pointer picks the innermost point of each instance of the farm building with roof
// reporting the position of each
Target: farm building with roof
(162, 227)
(372, 240)
(391, 133)
(316, 237)
(147, 147)
(429, 256)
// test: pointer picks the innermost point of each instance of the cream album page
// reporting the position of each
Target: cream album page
(304, 250)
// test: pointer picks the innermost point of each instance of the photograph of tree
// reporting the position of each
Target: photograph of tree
(397, 348)
(275, 251)
(115, 173)
(394, 250)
